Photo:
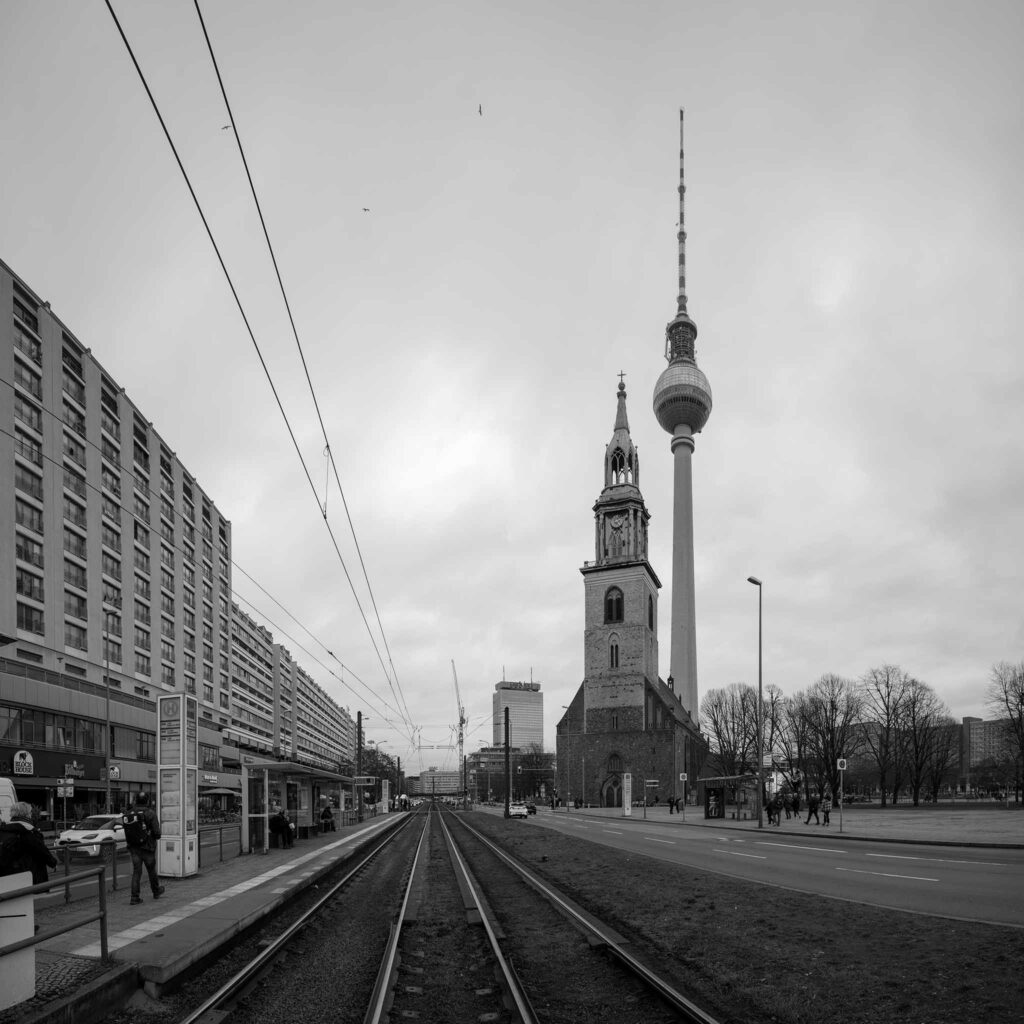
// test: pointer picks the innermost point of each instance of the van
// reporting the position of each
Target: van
(8, 798)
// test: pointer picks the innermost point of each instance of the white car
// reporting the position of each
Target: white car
(517, 810)
(85, 837)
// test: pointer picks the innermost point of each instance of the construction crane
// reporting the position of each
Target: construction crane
(462, 714)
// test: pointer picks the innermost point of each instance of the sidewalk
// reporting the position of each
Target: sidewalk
(152, 943)
(945, 824)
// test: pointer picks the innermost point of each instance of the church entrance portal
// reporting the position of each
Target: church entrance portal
(611, 792)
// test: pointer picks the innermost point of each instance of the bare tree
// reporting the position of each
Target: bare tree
(884, 693)
(796, 742)
(727, 714)
(1005, 695)
(944, 755)
(833, 711)
(922, 711)
(773, 710)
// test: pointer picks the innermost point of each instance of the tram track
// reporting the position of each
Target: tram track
(438, 923)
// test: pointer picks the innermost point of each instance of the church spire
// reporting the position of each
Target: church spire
(620, 516)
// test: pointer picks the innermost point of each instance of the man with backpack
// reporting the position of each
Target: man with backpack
(141, 831)
(22, 847)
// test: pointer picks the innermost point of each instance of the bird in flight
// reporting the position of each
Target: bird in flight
(225, 127)
(480, 110)
(366, 209)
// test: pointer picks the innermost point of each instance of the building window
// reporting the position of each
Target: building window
(613, 654)
(613, 605)
(110, 480)
(30, 619)
(167, 676)
(142, 638)
(28, 345)
(141, 509)
(111, 651)
(28, 447)
(26, 481)
(142, 587)
(28, 515)
(166, 651)
(208, 693)
(75, 636)
(74, 482)
(141, 664)
(25, 411)
(614, 763)
(29, 585)
(74, 419)
(142, 613)
(28, 550)
(75, 605)
(75, 575)
(111, 566)
(111, 538)
(73, 512)
(111, 509)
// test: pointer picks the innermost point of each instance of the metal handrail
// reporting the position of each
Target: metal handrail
(53, 883)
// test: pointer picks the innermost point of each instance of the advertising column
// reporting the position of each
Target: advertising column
(178, 785)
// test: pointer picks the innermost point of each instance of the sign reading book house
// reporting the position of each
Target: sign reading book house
(178, 785)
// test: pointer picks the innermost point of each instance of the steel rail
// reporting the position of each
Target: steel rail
(237, 982)
(690, 1011)
(513, 985)
(378, 1005)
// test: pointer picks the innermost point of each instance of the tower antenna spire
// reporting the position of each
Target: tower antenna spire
(681, 301)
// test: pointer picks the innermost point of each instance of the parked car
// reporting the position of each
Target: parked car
(85, 837)
(517, 811)
(531, 808)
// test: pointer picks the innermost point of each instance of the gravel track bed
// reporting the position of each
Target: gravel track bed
(446, 971)
(328, 970)
(567, 980)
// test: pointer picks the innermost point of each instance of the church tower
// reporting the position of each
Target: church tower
(621, 589)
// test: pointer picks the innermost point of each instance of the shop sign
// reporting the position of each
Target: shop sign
(23, 763)
(211, 777)
(74, 770)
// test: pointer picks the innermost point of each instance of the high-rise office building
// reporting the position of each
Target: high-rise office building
(526, 714)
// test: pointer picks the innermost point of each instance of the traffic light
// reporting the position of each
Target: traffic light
(519, 769)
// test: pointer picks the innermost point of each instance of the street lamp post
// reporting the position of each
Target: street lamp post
(760, 713)
(106, 609)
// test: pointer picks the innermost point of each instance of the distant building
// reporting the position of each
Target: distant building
(982, 744)
(526, 714)
(434, 782)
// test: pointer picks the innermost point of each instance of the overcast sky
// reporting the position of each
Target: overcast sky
(854, 215)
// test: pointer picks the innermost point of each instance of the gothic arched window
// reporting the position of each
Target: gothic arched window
(613, 605)
(613, 654)
(650, 612)
(614, 763)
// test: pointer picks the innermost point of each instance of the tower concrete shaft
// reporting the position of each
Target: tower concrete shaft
(683, 666)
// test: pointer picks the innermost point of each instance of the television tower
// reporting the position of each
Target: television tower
(682, 404)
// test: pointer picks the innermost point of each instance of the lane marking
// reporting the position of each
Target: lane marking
(884, 874)
(941, 860)
(790, 846)
(737, 853)
(611, 832)
(651, 839)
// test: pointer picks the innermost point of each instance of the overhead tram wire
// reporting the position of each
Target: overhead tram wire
(316, 640)
(384, 708)
(180, 550)
(252, 336)
(302, 356)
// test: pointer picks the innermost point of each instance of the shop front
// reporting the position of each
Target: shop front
(60, 786)
(220, 798)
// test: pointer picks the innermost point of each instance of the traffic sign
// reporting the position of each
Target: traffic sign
(682, 776)
(650, 782)
(841, 764)
(364, 780)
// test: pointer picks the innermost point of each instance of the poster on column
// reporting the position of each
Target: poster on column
(627, 794)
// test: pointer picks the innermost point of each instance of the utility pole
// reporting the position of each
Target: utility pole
(508, 768)
(359, 765)
(462, 724)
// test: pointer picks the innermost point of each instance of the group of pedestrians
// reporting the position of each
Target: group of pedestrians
(789, 804)
(22, 847)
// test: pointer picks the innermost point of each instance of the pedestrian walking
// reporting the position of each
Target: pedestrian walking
(796, 804)
(812, 808)
(141, 831)
(22, 847)
(787, 805)
(826, 807)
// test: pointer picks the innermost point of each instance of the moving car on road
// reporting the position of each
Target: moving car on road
(517, 810)
(86, 838)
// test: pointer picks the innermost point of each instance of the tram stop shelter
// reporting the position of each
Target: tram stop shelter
(301, 789)
(730, 796)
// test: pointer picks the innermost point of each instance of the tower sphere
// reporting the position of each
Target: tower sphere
(682, 395)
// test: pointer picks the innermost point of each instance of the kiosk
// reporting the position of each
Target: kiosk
(177, 793)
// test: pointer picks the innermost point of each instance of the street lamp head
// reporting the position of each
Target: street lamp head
(754, 580)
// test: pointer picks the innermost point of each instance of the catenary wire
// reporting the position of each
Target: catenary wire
(181, 550)
(252, 337)
(302, 356)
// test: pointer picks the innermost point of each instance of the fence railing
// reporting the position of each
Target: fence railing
(99, 873)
